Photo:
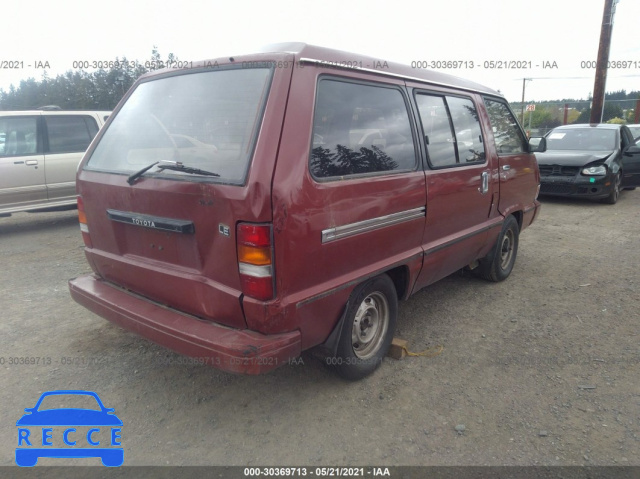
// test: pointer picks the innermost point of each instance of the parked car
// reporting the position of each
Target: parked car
(589, 161)
(328, 193)
(39, 155)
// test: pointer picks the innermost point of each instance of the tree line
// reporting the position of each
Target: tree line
(80, 89)
(102, 89)
(619, 107)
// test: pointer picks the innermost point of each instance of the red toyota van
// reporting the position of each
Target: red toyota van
(250, 208)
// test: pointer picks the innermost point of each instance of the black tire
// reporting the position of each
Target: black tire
(368, 329)
(612, 199)
(497, 265)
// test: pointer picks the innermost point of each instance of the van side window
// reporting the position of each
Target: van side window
(70, 134)
(451, 129)
(466, 125)
(437, 131)
(18, 136)
(506, 131)
(360, 129)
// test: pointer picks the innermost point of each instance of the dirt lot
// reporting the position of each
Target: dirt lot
(541, 369)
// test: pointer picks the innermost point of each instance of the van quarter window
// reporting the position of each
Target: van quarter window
(451, 130)
(508, 136)
(206, 121)
(360, 129)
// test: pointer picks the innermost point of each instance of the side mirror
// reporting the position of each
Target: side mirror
(537, 144)
(632, 150)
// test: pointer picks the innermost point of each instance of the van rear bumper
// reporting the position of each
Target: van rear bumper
(232, 350)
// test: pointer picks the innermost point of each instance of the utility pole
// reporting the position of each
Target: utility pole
(597, 107)
(524, 82)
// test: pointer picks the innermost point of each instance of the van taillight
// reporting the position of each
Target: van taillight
(255, 260)
(82, 218)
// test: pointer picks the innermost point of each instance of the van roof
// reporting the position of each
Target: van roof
(313, 54)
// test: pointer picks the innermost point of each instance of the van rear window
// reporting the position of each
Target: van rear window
(206, 120)
(359, 129)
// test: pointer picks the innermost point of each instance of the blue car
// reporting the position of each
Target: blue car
(101, 419)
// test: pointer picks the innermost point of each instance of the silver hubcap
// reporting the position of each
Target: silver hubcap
(370, 325)
(506, 249)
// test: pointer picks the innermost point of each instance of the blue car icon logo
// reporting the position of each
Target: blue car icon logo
(69, 432)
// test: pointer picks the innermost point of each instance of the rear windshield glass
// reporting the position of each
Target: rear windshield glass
(589, 139)
(207, 121)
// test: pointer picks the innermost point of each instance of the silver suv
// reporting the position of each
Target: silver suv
(39, 156)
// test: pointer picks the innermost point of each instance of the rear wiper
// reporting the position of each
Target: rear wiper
(178, 166)
(132, 179)
(175, 165)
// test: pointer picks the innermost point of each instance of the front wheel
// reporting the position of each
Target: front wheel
(612, 199)
(497, 265)
(368, 329)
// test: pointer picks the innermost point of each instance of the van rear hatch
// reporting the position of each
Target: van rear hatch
(185, 158)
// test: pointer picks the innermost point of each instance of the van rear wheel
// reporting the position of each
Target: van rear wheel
(368, 328)
(497, 265)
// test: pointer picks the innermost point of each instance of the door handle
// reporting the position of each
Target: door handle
(485, 182)
(506, 167)
(31, 162)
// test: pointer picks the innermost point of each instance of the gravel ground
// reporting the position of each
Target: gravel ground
(541, 369)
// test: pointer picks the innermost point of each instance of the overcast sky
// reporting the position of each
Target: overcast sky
(545, 32)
